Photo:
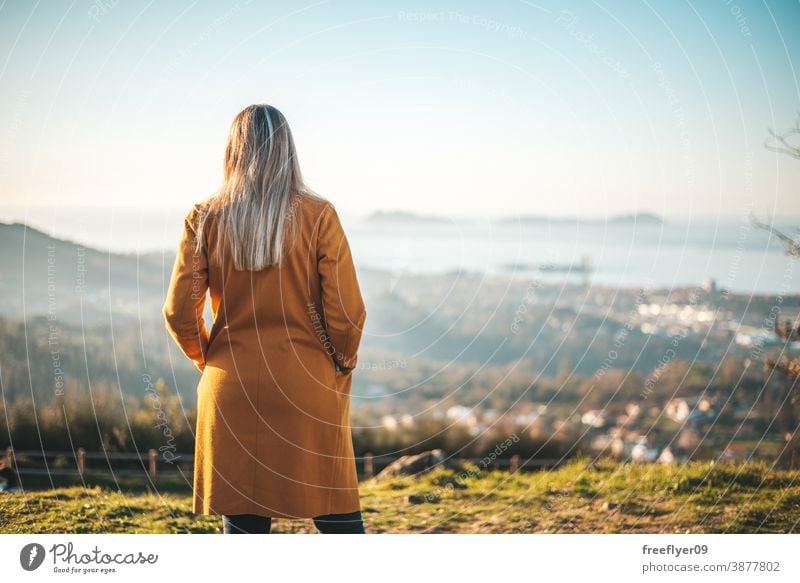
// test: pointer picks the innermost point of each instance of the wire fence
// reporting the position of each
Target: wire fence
(84, 463)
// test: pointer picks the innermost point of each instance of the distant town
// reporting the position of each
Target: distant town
(456, 360)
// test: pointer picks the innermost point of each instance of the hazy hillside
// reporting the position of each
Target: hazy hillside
(40, 274)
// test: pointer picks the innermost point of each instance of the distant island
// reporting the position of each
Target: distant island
(638, 218)
(626, 219)
(403, 217)
(642, 218)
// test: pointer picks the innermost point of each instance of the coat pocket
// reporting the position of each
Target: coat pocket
(343, 380)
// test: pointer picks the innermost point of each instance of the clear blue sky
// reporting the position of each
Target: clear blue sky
(461, 108)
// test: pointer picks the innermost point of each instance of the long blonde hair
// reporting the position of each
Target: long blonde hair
(254, 207)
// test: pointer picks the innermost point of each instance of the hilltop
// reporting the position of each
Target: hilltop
(581, 497)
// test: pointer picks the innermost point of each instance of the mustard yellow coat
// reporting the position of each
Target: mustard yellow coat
(273, 434)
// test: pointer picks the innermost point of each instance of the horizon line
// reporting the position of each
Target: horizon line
(412, 214)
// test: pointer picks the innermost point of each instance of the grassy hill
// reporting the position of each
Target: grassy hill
(582, 497)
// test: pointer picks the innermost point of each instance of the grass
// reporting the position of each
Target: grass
(581, 497)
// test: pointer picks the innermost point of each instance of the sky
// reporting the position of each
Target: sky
(464, 109)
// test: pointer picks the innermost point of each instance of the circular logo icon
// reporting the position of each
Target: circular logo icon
(31, 556)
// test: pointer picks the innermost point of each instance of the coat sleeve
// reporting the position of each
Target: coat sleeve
(343, 307)
(186, 296)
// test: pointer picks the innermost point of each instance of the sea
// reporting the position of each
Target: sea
(731, 252)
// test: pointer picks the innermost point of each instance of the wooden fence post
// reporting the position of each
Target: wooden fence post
(81, 459)
(153, 454)
(513, 464)
(10, 460)
(369, 467)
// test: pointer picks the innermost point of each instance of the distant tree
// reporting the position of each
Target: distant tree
(787, 143)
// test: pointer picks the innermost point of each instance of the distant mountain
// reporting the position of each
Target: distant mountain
(403, 217)
(638, 218)
(632, 218)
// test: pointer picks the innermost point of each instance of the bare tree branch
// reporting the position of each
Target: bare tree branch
(792, 244)
(783, 143)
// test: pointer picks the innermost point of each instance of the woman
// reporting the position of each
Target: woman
(273, 403)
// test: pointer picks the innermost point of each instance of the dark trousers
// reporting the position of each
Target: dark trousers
(350, 523)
